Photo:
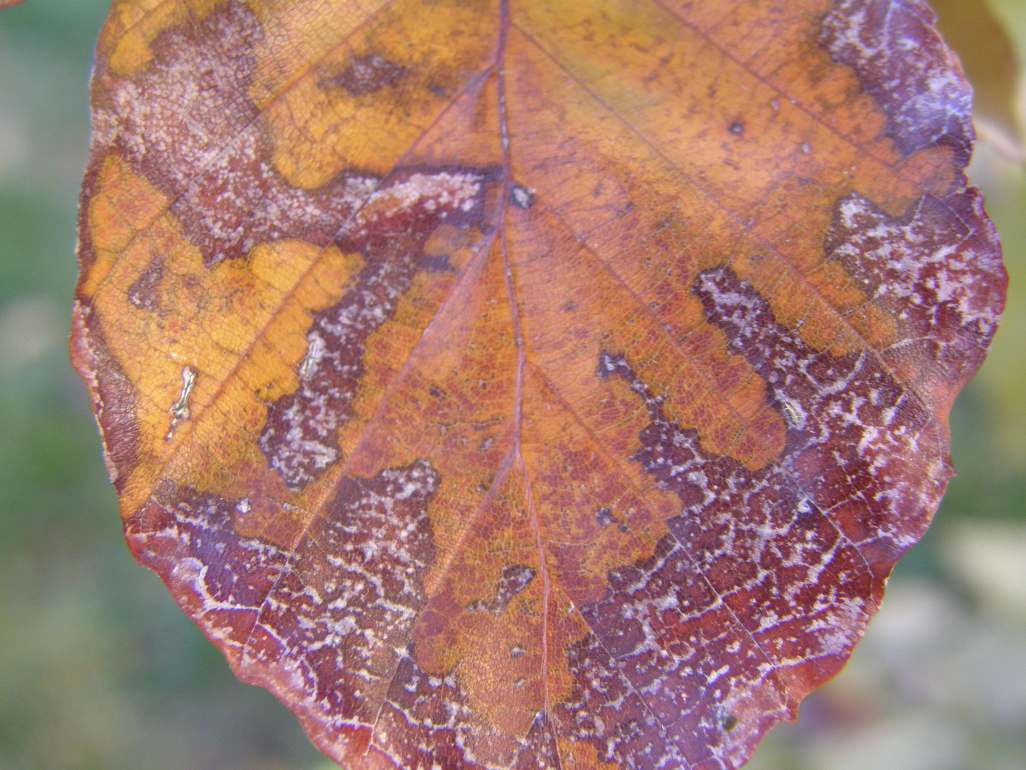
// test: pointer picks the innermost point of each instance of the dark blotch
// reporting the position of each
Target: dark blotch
(368, 74)
(437, 264)
(514, 579)
(521, 197)
(145, 292)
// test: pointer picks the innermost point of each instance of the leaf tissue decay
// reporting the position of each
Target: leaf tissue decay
(526, 383)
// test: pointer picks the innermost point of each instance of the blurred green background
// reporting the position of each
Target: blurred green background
(100, 671)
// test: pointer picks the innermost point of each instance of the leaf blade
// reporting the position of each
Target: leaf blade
(617, 375)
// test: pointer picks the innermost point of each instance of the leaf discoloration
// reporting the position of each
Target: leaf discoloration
(390, 229)
(368, 73)
(926, 97)
(561, 381)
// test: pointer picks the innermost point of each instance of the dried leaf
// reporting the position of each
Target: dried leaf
(530, 384)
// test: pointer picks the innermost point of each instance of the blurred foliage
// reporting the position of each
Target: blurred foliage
(100, 671)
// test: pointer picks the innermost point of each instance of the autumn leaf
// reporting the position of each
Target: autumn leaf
(530, 384)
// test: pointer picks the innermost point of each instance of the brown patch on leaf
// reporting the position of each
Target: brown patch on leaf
(367, 74)
(145, 292)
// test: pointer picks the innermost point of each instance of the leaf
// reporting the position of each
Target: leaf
(530, 384)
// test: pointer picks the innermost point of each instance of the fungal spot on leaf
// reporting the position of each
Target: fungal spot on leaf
(514, 580)
(605, 517)
(369, 73)
(805, 511)
(521, 197)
